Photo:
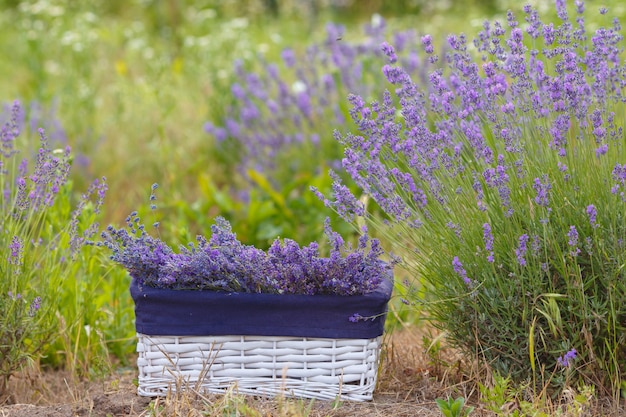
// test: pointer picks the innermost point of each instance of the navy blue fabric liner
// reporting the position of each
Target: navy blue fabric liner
(211, 313)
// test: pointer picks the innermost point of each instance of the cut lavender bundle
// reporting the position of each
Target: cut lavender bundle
(222, 263)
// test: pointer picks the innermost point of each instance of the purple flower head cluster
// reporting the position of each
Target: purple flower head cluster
(9, 132)
(30, 190)
(223, 263)
(592, 212)
(572, 236)
(390, 52)
(38, 189)
(16, 247)
(460, 270)
(522, 247)
(488, 238)
(542, 187)
(619, 176)
(520, 104)
(508, 142)
(355, 318)
(567, 359)
(34, 307)
(39, 230)
(14, 297)
(34, 118)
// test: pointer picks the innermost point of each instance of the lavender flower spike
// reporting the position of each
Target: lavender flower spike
(592, 213)
(488, 238)
(520, 252)
(34, 306)
(458, 268)
(16, 248)
(573, 240)
(542, 189)
(567, 359)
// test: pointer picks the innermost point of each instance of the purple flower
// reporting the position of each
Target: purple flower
(356, 317)
(427, 42)
(536, 245)
(488, 239)
(390, 52)
(288, 57)
(223, 263)
(542, 188)
(520, 252)
(271, 118)
(532, 18)
(16, 248)
(346, 204)
(573, 236)
(592, 213)
(567, 359)
(35, 305)
(12, 296)
(619, 173)
(394, 75)
(561, 9)
(459, 269)
(549, 34)
(573, 241)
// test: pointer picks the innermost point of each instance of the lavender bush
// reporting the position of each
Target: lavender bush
(41, 235)
(504, 179)
(285, 108)
(222, 263)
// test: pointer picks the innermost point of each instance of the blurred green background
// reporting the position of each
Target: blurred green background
(131, 83)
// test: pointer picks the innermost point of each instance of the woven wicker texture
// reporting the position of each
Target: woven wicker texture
(260, 365)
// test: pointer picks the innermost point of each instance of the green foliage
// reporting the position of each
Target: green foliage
(269, 212)
(498, 397)
(95, 318)
(503, 398)
(42, 232)
(518, 241)
(453, 408)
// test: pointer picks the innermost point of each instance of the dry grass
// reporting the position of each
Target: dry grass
(407, 386)
(412, 376)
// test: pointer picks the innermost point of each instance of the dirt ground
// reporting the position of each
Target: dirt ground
(405, 388)
(409, 383)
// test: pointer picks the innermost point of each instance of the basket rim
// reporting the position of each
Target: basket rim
(183, 312)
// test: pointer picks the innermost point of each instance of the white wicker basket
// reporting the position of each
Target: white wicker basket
(260, 365)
